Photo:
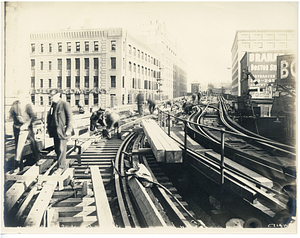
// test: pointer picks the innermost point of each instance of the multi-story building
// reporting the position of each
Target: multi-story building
(255, 41)
(173, 81)
(100, 67)
(195, 86)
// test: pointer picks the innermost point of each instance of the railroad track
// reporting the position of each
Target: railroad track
(269, 178)
(96, 190)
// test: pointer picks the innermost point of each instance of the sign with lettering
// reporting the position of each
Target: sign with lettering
(286, 70)
(263, 66)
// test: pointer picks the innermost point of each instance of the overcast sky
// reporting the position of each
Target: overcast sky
(204, 30)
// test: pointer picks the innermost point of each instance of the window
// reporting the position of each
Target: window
(86, 63)
(142, 55)
(68, 97)
(86, 81)
(129, 49)
(145, 84)
(86, 46)
(113, 81)
(282, 45)
(77, 63)
(41, 100)
(59, 64)
(68, 64)
(50, 65)
(113, 62)
(138, 68)
(41, 83)
(77, 81)
(134, 67)
(49, 83)
(50, 47)
(123, 99)
(68, 81)
(139, 53)
(77, 99)
(123, 82)
(32, 48)
(86, 99)
(49, 101)
(32, 64)
(42, 65)
(113, 45)
(77, 46)
(129, 66)
(59, 46)
(69, 46)
(96, 63)
(32, 82)
(258, 44)
(96, 45)
(42, 48)
(59, 81)
(134, 51)
(270, 36)
(149, 58)
(145, 57)
(96, 98)
(96, 82)
(133, 83)
(270, 45)
(33, 99)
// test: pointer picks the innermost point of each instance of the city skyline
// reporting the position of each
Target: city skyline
(204, 30)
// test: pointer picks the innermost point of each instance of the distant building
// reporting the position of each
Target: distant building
(258, 41)
(99, 67)
(195, 87)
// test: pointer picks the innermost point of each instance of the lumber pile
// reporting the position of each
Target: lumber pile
(164, 148)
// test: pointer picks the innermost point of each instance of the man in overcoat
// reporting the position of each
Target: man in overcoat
(59, 125)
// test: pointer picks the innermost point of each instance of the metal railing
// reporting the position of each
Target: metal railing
(165, 122)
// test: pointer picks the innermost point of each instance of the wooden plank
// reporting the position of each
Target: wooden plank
(179, 216)
(39, 207)
(229, 163)
(37, 211)
(151, 216)
(104, 214)
(173, 151)
(18, 188)
(157, 148)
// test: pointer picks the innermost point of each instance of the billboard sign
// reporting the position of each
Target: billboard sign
(286, 70)
(263, 66)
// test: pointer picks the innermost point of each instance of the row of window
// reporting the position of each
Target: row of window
(43, 47)
(77, 63)
(86, 99)
(145, 71)
(136, 83)
(268, 36)
(268, 45)
(68, 82)
(141, 55)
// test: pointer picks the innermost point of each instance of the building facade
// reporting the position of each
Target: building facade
(257, 41)
(195, 87)
(101, 67)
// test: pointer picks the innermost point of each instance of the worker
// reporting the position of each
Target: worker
(152, 104)
(140, 102)
(23, 117)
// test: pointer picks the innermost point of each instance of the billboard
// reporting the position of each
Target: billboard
(286, 70)
(263, 66)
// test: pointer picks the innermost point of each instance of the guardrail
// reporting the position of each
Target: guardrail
(164, 119)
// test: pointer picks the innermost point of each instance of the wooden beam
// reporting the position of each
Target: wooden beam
(18, 188)
(147, 208)
(157, 147)
(104, 215)
(42, 202)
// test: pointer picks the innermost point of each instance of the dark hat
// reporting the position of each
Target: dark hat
(54, 91)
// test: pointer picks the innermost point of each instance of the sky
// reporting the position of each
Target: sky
(204, 30)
